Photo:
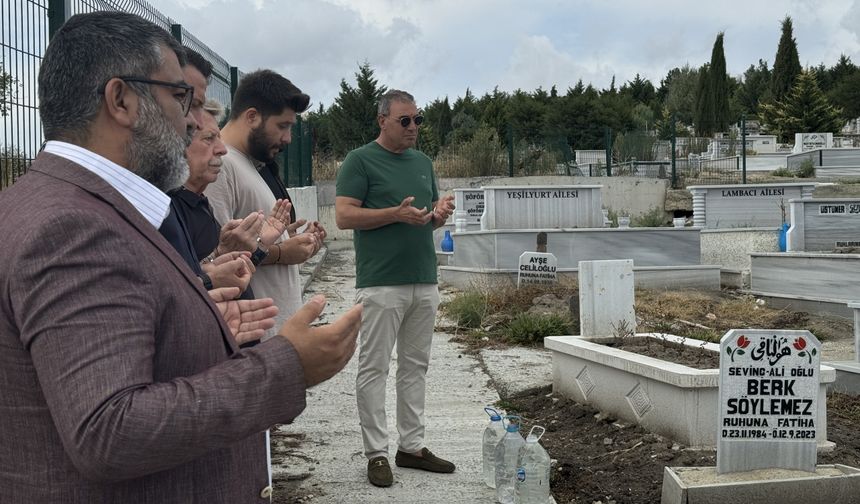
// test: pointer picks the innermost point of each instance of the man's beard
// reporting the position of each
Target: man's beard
(156, 152)
(258, 146)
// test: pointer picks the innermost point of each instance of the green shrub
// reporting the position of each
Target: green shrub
(782, 172)
(529, 328)
(612, 215)
(467, 309)
(655, 217)
(807, 169)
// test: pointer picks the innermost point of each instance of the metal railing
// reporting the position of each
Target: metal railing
(25, 28)
(23, 39)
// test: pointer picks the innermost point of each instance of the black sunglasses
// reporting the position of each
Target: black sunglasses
(405, 120)
(184, 99)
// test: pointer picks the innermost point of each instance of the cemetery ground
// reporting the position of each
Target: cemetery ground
(600, 458)
(318, 459)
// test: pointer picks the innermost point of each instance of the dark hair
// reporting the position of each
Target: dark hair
(268, 92)
(199, 62)
(87, 51)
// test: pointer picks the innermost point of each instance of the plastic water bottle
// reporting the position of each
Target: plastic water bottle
(492, 435)
(506, 460)
(532, 482)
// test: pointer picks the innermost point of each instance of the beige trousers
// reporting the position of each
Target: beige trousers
(405, 315)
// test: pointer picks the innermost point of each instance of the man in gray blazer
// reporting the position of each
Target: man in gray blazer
(120, 378)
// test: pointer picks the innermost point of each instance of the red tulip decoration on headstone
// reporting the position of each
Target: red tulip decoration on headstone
(799, 345)
(742, 342)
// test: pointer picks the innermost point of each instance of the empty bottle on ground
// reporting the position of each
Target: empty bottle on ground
(506, 460)
(532, 480)
(492, 435)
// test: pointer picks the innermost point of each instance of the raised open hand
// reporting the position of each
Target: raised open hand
(276, 222)
(411, 215)
(323, 350)
(247, 319)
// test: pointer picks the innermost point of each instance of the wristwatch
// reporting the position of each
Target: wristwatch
(258, 255)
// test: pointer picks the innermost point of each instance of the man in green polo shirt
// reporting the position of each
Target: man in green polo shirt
(386, 193)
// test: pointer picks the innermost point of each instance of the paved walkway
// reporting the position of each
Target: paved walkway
(320, 459)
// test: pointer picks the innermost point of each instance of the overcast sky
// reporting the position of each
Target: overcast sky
(435, 48)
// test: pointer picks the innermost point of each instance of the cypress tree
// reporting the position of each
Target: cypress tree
(704, 112)
(786, 66)
(719, 86)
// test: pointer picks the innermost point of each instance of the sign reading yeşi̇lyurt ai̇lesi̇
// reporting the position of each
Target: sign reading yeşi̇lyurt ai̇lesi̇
(537, 268)
(768, 409)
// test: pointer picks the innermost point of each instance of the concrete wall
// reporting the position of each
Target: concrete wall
(731, 248)
(632, 196)
(645, 246)
(832, 277)
(305, 202)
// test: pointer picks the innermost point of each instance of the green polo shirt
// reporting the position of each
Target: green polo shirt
(398, 253)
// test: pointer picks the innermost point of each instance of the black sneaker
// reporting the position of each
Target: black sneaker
(379, 472)
(427, 462)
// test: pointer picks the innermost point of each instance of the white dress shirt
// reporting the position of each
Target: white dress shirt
(147, 199)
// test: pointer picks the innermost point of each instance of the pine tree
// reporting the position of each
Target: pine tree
(786, 65)
(755, 87)
(353, 116)
(679, 88)
(437, 125)
(804, 110)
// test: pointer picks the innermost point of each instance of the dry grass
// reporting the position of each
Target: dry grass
(325, 168)
(496, 310)
(705, 316)
(487, 310)
(844, 405)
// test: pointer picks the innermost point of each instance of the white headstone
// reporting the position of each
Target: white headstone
(768, 409)
(537, 268)
(606, 298)
(542, 207)
(824, 225)
(745, 205)
(810, 141)
(471, 202)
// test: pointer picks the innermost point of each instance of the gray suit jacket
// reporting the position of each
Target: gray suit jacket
(119, 381)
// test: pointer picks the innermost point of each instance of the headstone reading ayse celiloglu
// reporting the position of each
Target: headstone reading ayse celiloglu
(768, 409)
(537, 268)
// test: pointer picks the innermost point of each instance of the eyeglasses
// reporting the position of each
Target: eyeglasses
(184, 97)
(405, 120)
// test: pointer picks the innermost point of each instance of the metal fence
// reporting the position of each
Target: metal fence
(23, 38)
(25, 28)
(683, 160)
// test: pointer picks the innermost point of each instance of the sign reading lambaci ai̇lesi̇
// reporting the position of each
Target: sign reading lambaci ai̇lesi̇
(768, 409)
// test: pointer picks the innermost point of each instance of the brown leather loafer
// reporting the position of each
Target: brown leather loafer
(379, 472)
(427, 462)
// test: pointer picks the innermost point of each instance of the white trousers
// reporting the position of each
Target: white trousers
(405, 315)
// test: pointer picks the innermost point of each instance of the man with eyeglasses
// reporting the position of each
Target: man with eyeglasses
(122, 379)
(386, 193)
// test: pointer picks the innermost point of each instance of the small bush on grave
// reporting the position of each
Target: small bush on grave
(782, 172)
(528, 328)
(467, 309)
(807, 169)
(655, 217)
